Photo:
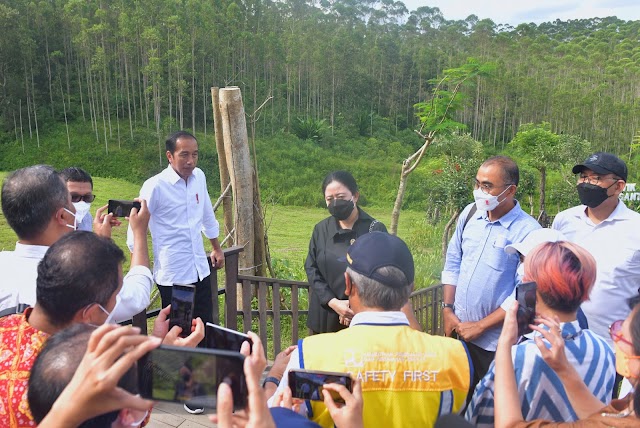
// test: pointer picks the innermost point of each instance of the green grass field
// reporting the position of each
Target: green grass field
(288, 228)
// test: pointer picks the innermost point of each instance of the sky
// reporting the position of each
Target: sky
(516, 12)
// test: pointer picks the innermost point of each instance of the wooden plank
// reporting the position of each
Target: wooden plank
(246, 305)
(282, 282)
(434, 314)
(262, 309)
(213, 284)
(231, 298)
(140, 321)
(277, 340)
(295, 315)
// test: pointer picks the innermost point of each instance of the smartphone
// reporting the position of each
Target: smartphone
(182, 298)
(307, 384)
(526, 296)
(218, 337)
(121, 208)
(191, 375)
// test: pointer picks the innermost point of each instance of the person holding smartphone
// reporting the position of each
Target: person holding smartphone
(409, 377)
(564, 273)
(620, 413)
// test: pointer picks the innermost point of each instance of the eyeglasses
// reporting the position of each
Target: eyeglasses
(87, 198)
(594, 179)
(486, 187)
(615, 331)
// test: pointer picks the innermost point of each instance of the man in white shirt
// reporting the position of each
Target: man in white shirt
(610, 232)
(38, 207)
(181, 212)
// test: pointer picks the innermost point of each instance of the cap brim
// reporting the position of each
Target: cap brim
(511, 249)
(595, 168)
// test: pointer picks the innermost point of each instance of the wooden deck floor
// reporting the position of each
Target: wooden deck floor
(173, 415)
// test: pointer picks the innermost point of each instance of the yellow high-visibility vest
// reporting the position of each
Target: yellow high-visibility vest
(409, 378)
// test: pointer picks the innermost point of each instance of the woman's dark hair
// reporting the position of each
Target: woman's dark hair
(343, 177)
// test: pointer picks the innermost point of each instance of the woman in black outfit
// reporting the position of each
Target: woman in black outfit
(328, 306)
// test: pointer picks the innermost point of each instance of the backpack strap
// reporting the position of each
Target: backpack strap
(472, 211)
(373, 223)
(20, 308)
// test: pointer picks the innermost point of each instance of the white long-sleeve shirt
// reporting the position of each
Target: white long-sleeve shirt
(615, 245)
(180, 213)
(20, 271)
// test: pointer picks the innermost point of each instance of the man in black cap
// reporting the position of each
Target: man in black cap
(408, 378)
(610, 232)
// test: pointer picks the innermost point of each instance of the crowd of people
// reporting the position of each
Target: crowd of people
(64, 361)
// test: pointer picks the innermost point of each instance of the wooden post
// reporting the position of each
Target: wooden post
(222, 164)
(236, 147)
(230, 280)
(259, 247)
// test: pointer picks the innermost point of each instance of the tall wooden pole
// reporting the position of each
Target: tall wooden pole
(236, 147)
(222, 165)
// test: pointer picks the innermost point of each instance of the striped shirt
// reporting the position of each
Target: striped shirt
(542, 395)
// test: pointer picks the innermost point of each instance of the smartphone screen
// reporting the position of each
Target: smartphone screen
(526, 296)
(191, 375)
(122, 208)
(182, 297)
(218, 337)
(307, 384)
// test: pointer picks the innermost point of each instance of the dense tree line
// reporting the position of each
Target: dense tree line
(121, 65)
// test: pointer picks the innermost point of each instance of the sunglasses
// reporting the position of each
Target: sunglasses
(87, 198)
(615, 331)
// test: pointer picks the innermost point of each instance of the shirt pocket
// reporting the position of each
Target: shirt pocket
(495, 256)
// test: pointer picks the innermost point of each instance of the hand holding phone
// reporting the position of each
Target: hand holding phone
(182, 299)
(526, 296)
(122, 208)
(218, 337)
(308, 384)
(192, 375)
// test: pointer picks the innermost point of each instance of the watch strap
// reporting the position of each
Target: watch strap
(272, 380)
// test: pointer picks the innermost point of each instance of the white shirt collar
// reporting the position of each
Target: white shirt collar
(30, 251)
(170, 175)
(392, 317)
(621, 212)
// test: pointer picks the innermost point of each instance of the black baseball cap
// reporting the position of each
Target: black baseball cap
(603, 163)
(379, 249)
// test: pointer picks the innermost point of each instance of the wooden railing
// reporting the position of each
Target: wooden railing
(426, 304)
(276, 309)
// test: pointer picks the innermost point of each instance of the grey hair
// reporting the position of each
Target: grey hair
(374, 294)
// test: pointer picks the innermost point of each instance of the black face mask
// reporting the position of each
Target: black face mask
(592, 195)
(341, 209)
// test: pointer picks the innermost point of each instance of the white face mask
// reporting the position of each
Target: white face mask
(82, 209)
(486, 202)
(75, 221)
(109, 319)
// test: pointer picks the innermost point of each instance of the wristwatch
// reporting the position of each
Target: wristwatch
(447, 305)
(272, 380)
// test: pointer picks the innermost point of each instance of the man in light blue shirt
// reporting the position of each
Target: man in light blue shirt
(478, 274)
